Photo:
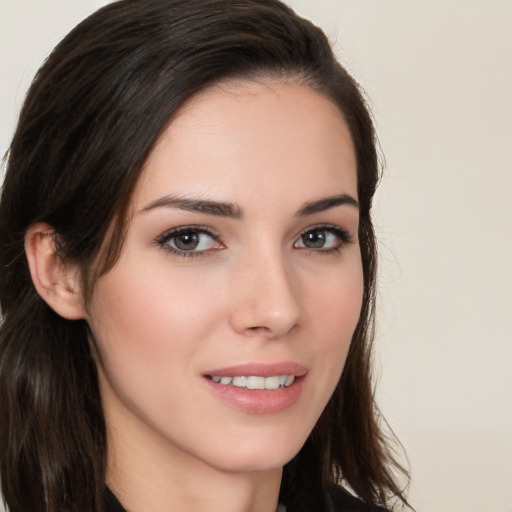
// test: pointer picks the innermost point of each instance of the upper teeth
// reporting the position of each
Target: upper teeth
(256, 382)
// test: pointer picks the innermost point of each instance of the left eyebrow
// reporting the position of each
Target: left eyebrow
(326, 203)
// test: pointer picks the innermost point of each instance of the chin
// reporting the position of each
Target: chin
(266, 453)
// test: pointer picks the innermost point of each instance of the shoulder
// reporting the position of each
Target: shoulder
(340, 500)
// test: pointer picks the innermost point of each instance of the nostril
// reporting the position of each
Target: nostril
(268, 332)
(259, 330)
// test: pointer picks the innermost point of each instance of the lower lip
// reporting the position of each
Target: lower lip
(258, 401)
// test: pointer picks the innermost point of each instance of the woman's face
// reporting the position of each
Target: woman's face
(241, 269)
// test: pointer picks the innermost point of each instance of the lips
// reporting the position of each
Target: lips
(258, 388)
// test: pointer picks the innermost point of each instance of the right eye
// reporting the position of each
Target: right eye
(189, 241)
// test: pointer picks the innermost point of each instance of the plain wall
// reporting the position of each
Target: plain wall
(439, 78)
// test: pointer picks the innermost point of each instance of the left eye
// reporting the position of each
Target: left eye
(322, 239)
(189, 240)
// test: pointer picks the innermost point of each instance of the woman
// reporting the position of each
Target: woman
(188, 269)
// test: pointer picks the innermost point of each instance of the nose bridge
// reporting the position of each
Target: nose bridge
(267, 299)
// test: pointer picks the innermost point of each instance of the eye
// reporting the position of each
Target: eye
(323, 238)
(189, 241)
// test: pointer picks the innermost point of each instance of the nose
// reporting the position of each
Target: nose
(266, 298)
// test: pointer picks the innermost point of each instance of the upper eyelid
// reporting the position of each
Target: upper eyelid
(327, 227)
(197, 228)
(206, 229)
(323, 225)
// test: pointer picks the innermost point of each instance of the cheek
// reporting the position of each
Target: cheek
(147, 311)
(147, 329)
(334, 309)
(336, 305)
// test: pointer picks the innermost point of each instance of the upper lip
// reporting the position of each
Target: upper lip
(259, 369)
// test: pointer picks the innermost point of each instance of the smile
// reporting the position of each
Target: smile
(255, 382)
(257, 388)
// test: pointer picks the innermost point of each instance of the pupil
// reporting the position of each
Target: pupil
(187, 241)
(314, 239)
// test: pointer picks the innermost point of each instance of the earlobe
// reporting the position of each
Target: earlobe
(56, 281)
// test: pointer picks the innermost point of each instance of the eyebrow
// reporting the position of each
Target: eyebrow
(196, 205)
(222, 209)
(326, 203)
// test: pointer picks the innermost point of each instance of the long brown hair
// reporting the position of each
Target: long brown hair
(90, 119)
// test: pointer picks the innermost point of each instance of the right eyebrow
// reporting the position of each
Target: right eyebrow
(196, 205)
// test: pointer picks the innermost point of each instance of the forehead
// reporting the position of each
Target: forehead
(241, 137)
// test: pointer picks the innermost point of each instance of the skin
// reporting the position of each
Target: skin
(251, 293)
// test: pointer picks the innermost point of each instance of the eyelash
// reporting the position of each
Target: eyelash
(163, 241)
(341, 234)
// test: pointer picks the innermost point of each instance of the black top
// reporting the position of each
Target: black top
(111, 502)
(337, 499)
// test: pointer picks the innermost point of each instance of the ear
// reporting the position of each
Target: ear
(57, 281)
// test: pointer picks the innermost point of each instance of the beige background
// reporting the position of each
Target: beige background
(439, 75)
